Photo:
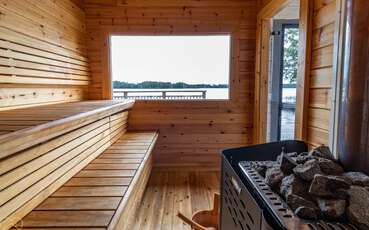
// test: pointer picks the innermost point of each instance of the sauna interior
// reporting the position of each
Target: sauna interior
(94, 136)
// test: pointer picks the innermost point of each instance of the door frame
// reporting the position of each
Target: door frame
(263, 33)
(276, 74)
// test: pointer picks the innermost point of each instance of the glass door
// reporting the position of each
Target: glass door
(284, 66)
(289, 65)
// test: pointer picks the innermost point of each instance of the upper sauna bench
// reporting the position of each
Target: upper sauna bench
(24, 128)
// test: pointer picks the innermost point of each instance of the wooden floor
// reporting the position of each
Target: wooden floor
(170, 192)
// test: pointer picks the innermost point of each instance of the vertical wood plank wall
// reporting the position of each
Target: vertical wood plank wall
(321, 71)
(191, 133)
(43, 55)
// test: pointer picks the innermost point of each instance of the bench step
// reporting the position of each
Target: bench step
(105, 193)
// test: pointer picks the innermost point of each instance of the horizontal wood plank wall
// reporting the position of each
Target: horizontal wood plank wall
(42, 53)
(321, 72)
(30, 176)
(191, 133)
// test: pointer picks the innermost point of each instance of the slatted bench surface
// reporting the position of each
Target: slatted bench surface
(94, 197)
(21, 128)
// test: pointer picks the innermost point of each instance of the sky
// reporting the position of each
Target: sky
(189, 59)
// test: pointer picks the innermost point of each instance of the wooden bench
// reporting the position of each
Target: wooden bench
(23, 128)
(41, 148)
(105, 194)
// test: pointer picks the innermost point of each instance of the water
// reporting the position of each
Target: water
(287, 124)
(288, 94)
(287, 131)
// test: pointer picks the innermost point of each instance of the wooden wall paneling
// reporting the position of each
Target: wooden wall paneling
(257, 102)
(262, 78)
(303, 79)
(26, 18)
(209, 126)
(43, 53)
(322, 73)
(18, 97)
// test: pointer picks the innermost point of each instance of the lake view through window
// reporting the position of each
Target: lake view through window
(170, 67)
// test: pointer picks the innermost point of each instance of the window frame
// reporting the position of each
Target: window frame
(233, 67)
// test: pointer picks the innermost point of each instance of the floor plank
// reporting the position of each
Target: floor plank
(170, 192)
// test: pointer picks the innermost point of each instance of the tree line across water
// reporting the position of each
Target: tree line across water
(163, 85)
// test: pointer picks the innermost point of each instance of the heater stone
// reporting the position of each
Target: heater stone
(329, 186)
(301, 159)
(294, 202)
(292, 185)
(323, 152)
(308, 170)
(287, 164)
(329, 167)
(332, 209)
(306, 212)
(358, 211)
(273, 177)
(262, 166)
(357, 178)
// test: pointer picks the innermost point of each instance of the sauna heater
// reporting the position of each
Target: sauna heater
(247, 203)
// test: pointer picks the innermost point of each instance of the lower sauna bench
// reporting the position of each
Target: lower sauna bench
(103, 195)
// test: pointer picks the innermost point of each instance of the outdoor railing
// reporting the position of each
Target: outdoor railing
(289, 102)
(159, 94)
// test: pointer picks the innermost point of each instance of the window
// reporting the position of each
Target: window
(170, 67)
